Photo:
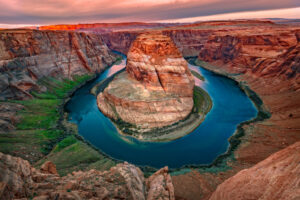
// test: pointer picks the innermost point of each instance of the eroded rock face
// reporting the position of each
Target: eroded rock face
(240, 51)
(18, 179)
(160, 185)
(155, 61)
(15, 177)
(48, 167)
(157, 88)
(26, 56)
(276, 177)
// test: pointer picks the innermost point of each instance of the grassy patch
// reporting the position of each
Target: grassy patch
(39, 129)
(31, 145)
(201, 96)
(65, 143)
(197, 75)
(72, 155)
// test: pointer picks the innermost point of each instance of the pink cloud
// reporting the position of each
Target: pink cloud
(72, 11)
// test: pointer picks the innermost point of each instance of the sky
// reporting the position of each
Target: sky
(42, 12)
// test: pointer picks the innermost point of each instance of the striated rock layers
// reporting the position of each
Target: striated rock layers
(276, 177)
(157, 88)
(18, 179)
(26, 56)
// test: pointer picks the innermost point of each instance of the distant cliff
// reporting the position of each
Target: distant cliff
(26, 56)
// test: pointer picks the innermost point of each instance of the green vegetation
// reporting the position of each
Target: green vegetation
(202, 105)
(72, 154)
(41, 130)
(202, 101)
(197, 75)
(68, 141)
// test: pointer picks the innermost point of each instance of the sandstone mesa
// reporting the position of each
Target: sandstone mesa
(157, 88)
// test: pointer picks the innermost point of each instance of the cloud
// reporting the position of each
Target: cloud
(75, 11)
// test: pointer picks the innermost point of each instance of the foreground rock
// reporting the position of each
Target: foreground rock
(18, 179)
(26, 56)
(276, 177)
(157, 88)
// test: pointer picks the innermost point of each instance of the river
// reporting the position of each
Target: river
(231, 106)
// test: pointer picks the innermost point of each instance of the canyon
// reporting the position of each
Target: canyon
(259, 55)
(156, 90)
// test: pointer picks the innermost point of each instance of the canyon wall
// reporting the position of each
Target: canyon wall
(26, 56)
(243, 51)
(189, 41)
(192, 38)
(276, 177)
(120, 41)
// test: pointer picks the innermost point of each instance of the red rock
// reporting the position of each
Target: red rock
(124, 181)
(48, 167)
(276, 177)
(160, 185)
(155, 61)
(157, 88)
(26, 56)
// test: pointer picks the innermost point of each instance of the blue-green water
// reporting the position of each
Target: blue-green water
(231, 106)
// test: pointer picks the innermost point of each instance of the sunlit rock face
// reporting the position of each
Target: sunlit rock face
(276, 177)
(156, 89)
(155, 61)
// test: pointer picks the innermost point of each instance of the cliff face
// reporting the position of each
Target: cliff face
(155, 61)
(191, 39)
(244, 51)
(18, 179)
(189, 42)
(276, 177)
(120, 41)
(26, 56)
(157, 88)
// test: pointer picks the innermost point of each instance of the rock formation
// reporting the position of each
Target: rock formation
(191, 39)
(18, 179)
(276, 177)
(26, 56)
(157, 88)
